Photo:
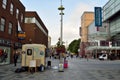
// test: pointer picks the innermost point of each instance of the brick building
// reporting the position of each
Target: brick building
(35, 30)
(11, 12)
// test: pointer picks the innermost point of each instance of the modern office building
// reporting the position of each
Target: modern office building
(111, 17)
(11, 13)
(35, 30)
(86, 19)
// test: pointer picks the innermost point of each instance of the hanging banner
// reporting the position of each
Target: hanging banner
(21, 35)
(98, 16)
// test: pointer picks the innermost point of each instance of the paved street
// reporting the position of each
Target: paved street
(79, 69)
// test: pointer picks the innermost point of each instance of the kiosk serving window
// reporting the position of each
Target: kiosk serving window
(29, 51)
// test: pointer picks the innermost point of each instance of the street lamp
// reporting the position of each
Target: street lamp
(61, 8)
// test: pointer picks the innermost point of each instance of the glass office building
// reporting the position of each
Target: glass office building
(111, 15)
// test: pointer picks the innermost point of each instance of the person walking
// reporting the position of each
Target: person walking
(15, 58)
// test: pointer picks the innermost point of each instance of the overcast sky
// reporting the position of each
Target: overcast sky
(49, 13)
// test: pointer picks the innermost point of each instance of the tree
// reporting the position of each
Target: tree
(58, 43)
(74, 46)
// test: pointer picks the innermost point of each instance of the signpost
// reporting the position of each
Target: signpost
(32, 63)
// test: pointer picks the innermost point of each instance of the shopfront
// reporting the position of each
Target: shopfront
(95, 51)
(5, 55)
(7, 47)
(5, 51)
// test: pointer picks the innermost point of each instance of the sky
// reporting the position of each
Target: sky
(49, 14)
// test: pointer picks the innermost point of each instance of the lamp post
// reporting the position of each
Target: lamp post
(61, 8)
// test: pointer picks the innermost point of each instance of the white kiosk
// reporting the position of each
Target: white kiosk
(33, 55)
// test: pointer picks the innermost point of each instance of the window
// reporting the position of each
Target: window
(30, 20)
(4, 4)
(21, 17)
(11, 8)
(17, 13)
(10, 28)
(29, 52)
(2, 24)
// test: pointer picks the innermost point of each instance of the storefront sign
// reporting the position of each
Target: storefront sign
(5, 42)
(98, 16)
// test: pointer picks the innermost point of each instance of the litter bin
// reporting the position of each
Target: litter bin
(42, 68)
(49, 64)
(60, 67)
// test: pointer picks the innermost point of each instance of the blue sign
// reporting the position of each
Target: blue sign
(98, 16)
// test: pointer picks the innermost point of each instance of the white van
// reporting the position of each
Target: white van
(103, 57)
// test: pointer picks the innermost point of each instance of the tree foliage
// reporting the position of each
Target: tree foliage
(74, 46)
(60, 48)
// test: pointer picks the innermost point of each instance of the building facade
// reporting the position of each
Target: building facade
(11, 12)
(111, 16)
(96, 38)
(86, 19)
(106, 39)
(35, 30)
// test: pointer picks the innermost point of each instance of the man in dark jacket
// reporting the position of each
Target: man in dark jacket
(15, 58)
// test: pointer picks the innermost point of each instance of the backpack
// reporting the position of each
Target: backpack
(18, 70)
